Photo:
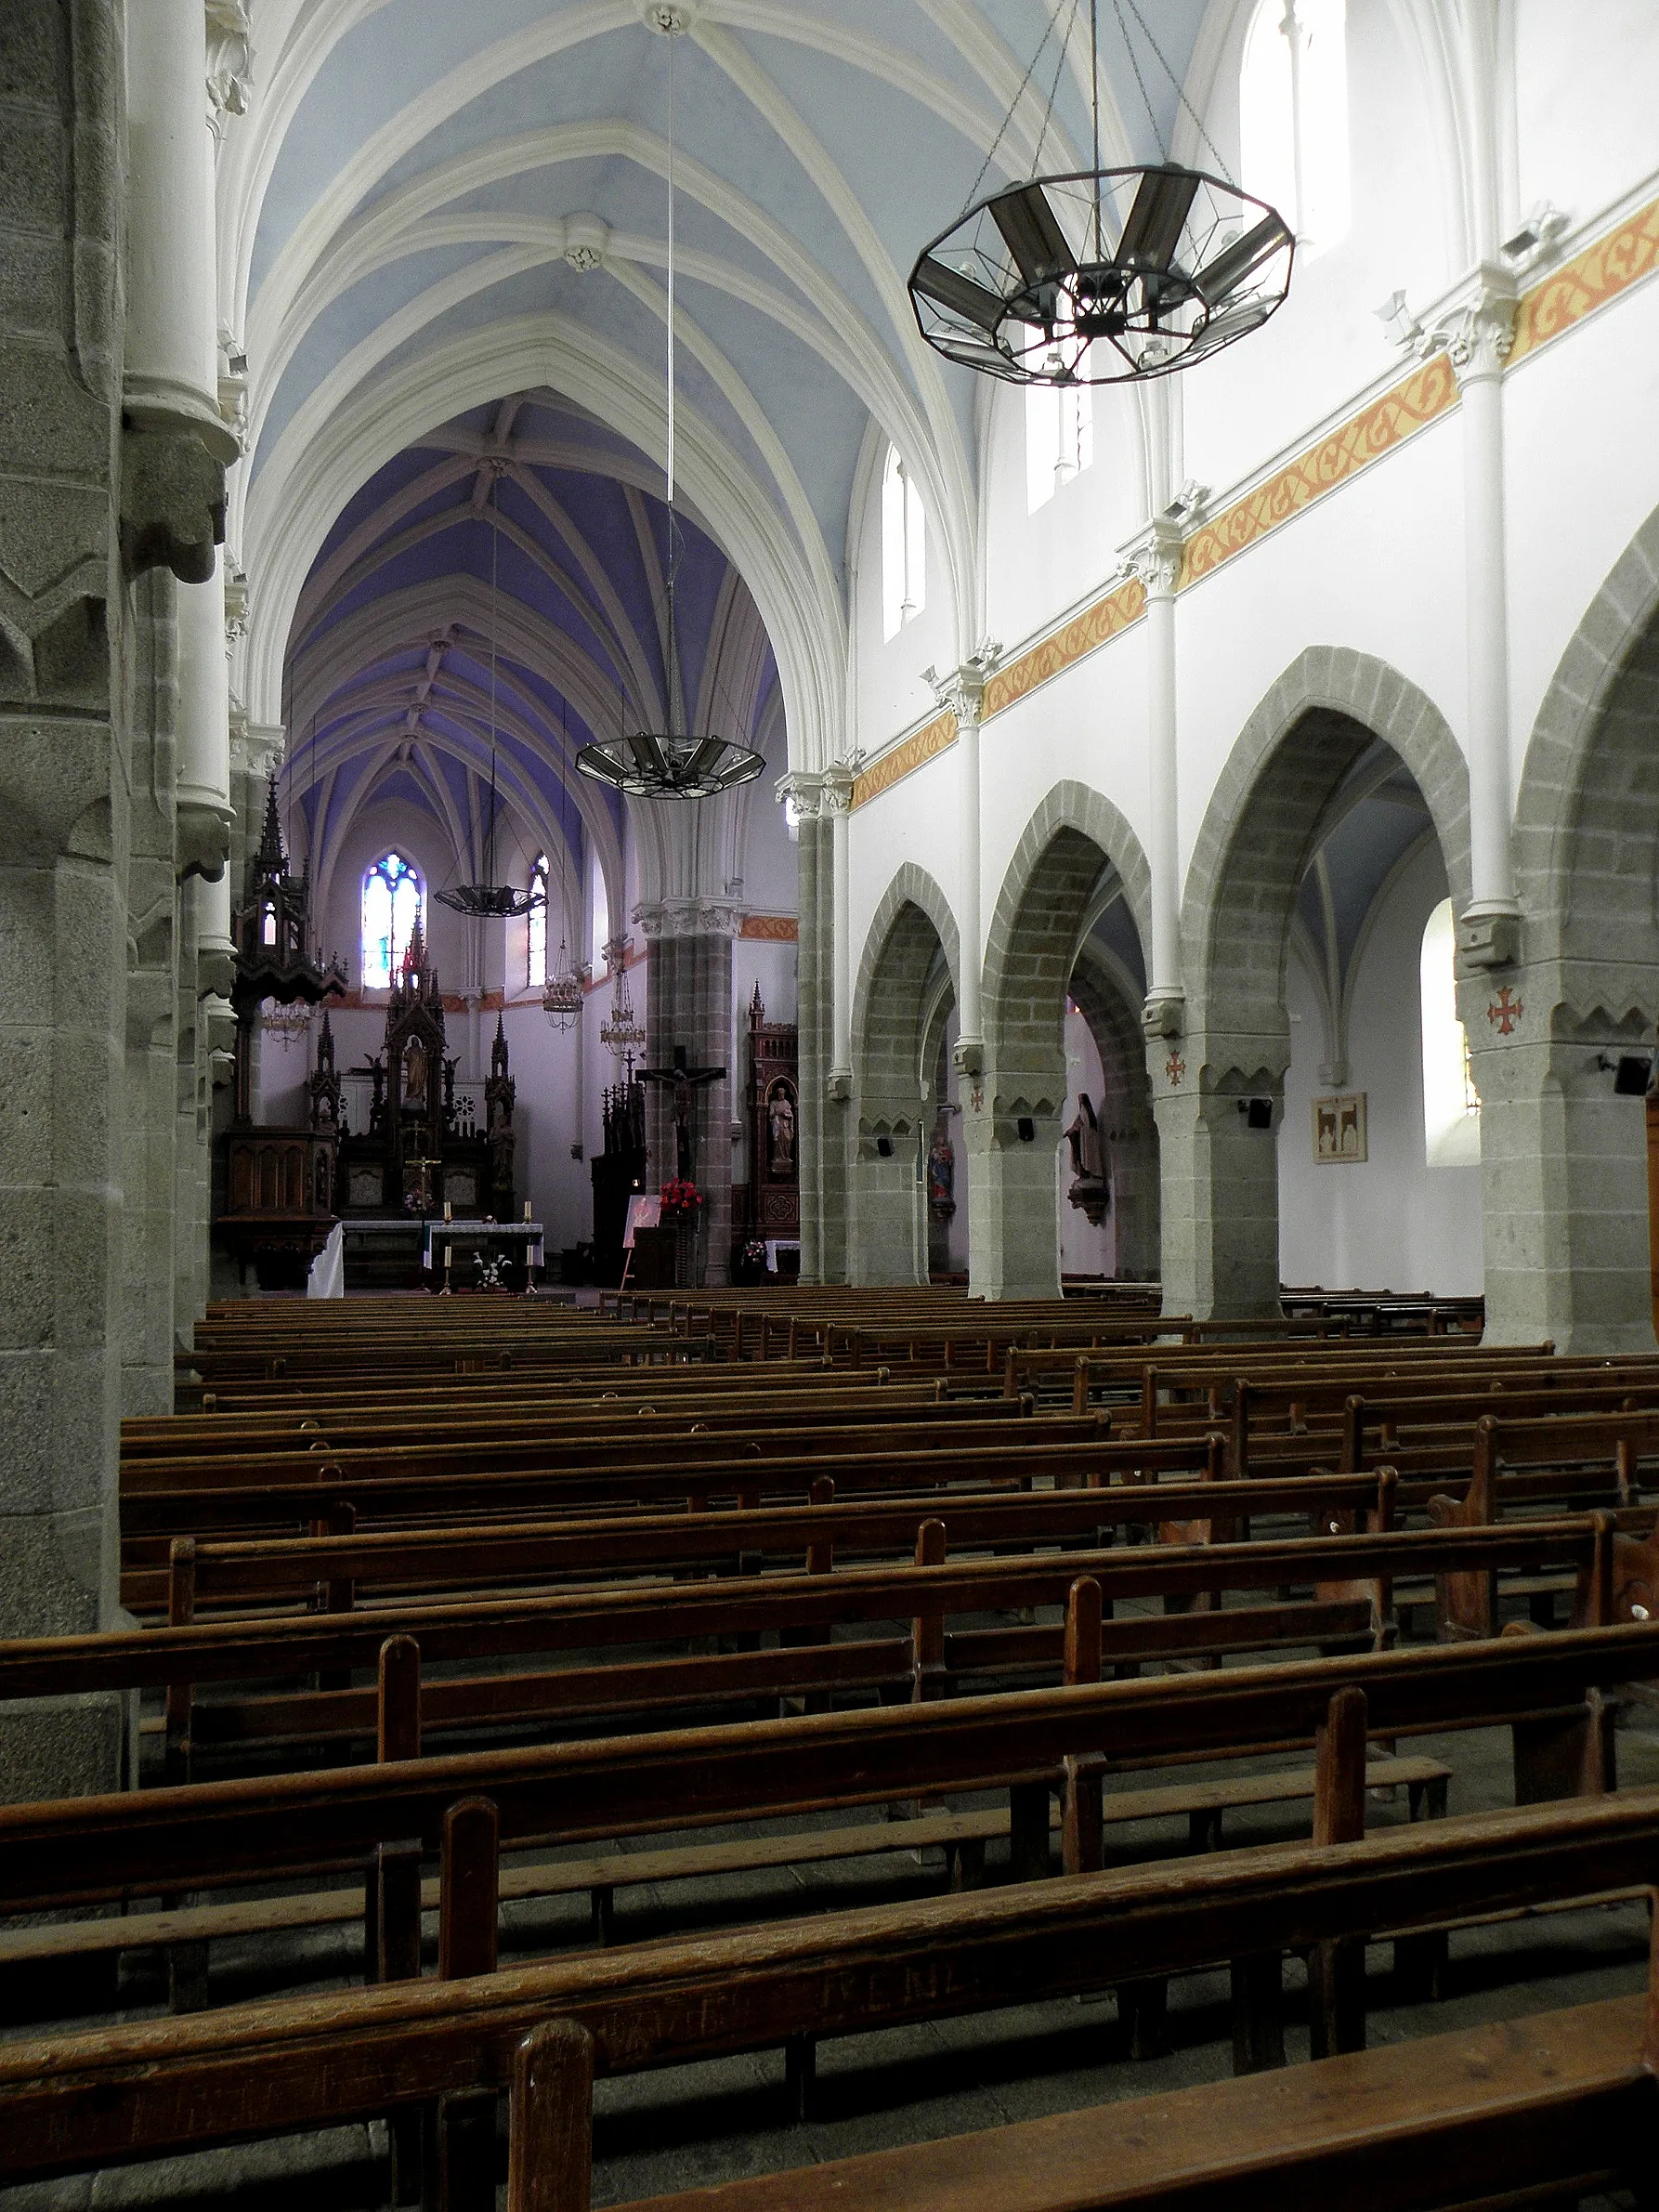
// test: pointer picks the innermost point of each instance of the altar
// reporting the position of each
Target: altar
(423, 1148)
(459, 1251)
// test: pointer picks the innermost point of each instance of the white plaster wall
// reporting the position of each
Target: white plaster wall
(1377, 565)
(1393, 1222)
(1067, 549)
(1088, 725)
(1587, 89)
(915, 820)
(1581, 477)
(1325, 343)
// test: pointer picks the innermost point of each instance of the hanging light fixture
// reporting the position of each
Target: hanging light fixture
(490, 900)
(1101, 276)
(668, 764)
(563, 991)
(624, 1033)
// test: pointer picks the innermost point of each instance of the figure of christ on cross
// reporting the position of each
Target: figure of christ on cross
(685, 1082)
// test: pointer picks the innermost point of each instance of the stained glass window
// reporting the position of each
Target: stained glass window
(392, 899)
(537, 926)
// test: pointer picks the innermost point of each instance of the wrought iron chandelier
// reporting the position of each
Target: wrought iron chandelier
(624, 1033)
(668, 764)
(489, 900)
(1101, 276)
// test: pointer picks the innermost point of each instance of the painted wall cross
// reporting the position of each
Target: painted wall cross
(1505, 1010)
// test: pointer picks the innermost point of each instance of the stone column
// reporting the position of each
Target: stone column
(65, 786)
(688, 1002)
(836, 799)
(1218, 1175)
(151, 1113)
(1156, 560)
(1563, 1155)
(822, 1113)
(1479, 338)
(179, 444)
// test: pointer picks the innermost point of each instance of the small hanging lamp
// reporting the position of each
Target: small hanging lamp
(668, 764)
(624, 1033)
(1101, 276)
(563, 992)
(490, 900)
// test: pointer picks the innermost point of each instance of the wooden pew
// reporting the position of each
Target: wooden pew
(224, 1834)
(1025, 1454)
(1568, 2096)
(349, 1568)
(1349, 1577)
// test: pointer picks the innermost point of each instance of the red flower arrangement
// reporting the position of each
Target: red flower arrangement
(681, 1199)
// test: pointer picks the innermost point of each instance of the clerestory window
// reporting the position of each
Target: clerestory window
(1293, 116)
(904, 547)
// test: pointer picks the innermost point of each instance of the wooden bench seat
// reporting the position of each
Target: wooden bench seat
(1203, 1804)
(1561, 2102)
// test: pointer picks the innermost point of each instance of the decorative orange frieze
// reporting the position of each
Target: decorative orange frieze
(933, 737)
(1084, 634)
(1604, 269)
(775, 929)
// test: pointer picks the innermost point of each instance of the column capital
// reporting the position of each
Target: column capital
(688, 917)
(836, 790)
(1478, 331)
(960, 691)
(805, 790)
(1153, 557)
(257, 748)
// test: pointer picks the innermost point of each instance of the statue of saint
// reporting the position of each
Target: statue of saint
(414, 1075)
(780, 1133)
(1091, 1192)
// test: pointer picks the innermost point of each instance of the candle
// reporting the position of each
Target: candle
(527, 1210)
(449, 1212)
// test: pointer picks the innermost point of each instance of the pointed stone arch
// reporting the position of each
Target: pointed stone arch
(1564, 1155)
(1011, 1128)
(911, 932)
(1269, 810)
(1285, 765)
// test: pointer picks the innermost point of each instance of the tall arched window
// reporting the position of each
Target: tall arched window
(904, 547)
(538, 924)
(1059, 437)
(392, 902)
(1451, 1103)
(1293, 115)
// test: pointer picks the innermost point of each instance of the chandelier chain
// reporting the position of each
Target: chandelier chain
(1180, 94)
(1014, 105)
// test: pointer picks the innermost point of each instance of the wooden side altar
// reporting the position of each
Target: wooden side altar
(767, 1209)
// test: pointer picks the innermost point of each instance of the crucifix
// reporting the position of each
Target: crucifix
(685, 1081)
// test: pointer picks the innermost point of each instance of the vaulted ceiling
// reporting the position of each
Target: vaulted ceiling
(496, 594)
(433, 207)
